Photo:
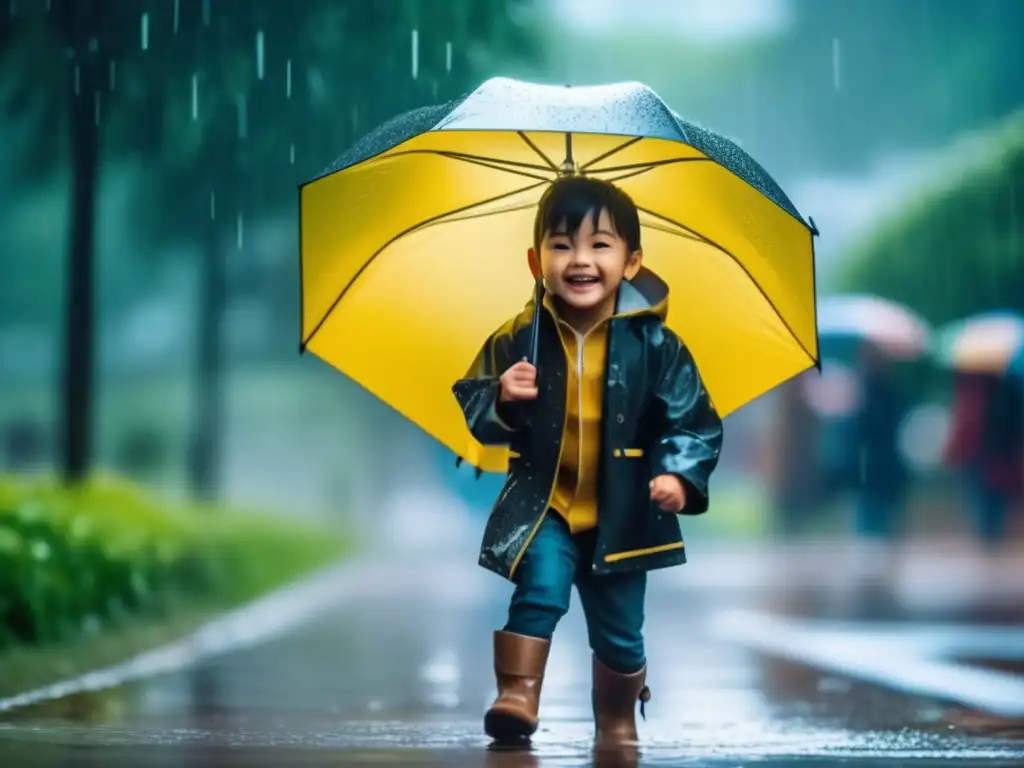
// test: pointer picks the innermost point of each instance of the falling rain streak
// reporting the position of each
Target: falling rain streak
(291, 153)
(96, 107)
(113, 75)
(206, 13)
(415, 54)
(240, 230)
(195, 96)
(177, 14)
(448, 56)
(145, 31)
(259, 54)
(213, 205)
(78, 80)
(243, 117)
(288, 79)
(836, 83)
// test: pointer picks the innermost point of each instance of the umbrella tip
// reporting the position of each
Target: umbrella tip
(302, 347)
(814, 227)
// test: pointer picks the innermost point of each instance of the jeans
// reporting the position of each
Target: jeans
(613, 604)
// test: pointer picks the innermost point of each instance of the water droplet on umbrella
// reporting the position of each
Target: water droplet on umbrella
(195, 96)
(145, 31)
(836, 82)
(213, 205)
(259, 54)
(288, 79)
(243, 117)
(415, 54)
(448, 56)
(177, 13)
(113, 75)
(96, 107)
(240, 230)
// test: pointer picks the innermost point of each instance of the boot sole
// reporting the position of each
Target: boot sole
(504, 727)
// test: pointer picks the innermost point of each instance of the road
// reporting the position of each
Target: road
(396, 671)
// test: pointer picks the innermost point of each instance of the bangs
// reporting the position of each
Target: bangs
(570, 201)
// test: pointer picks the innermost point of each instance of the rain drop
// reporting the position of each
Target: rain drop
(177, 14)
(240, 230)
(195, 96)
(259, 54)
(78, 80)
(213, 205)
(112, 75)
(288, 79)
(291, 153)
(96, 107)
(415, 54)
(243, 117)
(448, 56)
(145, 31)
(835, 64)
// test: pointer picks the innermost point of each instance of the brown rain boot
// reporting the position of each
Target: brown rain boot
(519, 663)
(615, 697)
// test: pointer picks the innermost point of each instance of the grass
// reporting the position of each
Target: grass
(93, 574)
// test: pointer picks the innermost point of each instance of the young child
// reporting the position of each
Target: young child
(611, 436)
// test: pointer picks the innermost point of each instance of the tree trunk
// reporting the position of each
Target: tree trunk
(78, 373)
(208, 412)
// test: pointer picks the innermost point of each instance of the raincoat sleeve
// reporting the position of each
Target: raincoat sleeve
(688, 437)
(490, 422)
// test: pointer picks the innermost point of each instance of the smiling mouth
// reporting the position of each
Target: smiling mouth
(582, 280)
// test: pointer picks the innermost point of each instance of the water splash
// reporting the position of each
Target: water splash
(259, 54)
(288, 79)
(448, 56)
(415, 54)
(145, 31)
(836, 60)
(195, 97)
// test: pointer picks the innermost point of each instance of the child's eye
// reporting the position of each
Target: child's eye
(602, 245)
(560, 246)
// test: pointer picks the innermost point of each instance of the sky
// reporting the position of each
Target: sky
(707, 20)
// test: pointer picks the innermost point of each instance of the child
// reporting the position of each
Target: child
(613, 437)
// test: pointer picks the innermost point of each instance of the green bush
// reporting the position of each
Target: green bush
(75, 561)
(958, 249)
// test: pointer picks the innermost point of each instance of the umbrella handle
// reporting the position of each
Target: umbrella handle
(535, 323)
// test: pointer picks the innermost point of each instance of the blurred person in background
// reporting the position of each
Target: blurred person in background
(986, 441)
(794, 463)
(881, 471)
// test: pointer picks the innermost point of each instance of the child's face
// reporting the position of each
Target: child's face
(585, 269)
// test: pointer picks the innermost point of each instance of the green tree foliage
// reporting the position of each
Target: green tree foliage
(959, 249)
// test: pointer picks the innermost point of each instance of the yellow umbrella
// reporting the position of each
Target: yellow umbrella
(413, 244)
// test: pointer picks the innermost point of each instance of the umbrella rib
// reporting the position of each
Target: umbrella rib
(399, 236)
(485, 159)
(654, 164)
(495, 165)
(740, 264)
(536, 149)
(610, 152)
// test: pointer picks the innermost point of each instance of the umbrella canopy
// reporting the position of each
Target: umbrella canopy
(893, 328)
(413, 244)
(985, 343)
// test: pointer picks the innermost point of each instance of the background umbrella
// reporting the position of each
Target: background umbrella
(985, 343)
(893, 328)
(413, 244)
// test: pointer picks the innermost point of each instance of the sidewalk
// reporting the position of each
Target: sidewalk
(930, 573)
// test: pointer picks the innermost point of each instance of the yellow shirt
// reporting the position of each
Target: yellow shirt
(576, 485)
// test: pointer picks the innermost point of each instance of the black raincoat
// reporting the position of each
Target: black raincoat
(657, 419)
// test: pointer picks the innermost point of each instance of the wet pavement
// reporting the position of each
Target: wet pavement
(399, 674)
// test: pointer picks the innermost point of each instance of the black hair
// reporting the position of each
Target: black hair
(570, 199)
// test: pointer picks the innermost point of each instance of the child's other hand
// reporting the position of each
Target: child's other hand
(519, 383)
(668, 493)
